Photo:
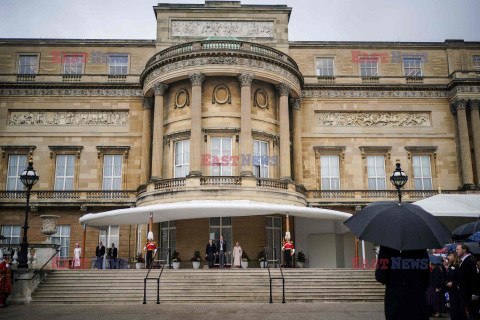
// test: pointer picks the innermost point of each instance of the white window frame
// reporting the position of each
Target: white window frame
(325, 71)
(376, 175)
(113, 237)
(223, 226)
(9, 234)
(369, 67)
(330, 176)
(70, 67)
(422, 176)
(28, 67)
(109, 177)
(169, 227)
(277, 243)
(223, 169)
(18, 170)
(476, 61)
(408, 68)
(60, 234)
(184, 164)
(115, 66)
(64, 176)
(261, 161)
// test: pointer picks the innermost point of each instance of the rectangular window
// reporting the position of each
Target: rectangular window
(73, 64)
(64, 170)
(11, 234)
(369, 67)
(182, 158)
(16, 165)
(273, 238)
(168, 237)
(27, 64)
(330, 171)
(260, 159)
(113, 237)
(221, 157)
(112, 172)
(422, 172)
(476, 62)
(222, 227)
(413, 67)
(62, 237)
(117, 64)
(376, 172)
(325, 67)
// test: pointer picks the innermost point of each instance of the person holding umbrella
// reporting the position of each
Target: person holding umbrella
(404, 232)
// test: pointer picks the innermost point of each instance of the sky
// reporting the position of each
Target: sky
(311, 20)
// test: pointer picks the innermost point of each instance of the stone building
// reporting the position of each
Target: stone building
(222, 106)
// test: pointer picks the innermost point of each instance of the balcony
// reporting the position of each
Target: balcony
(69, 198)
(364, 197)
(221, 188)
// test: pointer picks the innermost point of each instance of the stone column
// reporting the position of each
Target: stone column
(297, 140)
(475, 119)
(157, 140)
(146, 139)
(283, 91)
(246, 142)
(196, 124)
(458, 106)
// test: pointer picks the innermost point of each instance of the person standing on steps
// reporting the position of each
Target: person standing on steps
(210, 252)
(151, 249)
(99, 253)
(222, 252)
(237, 255)
(288, 250)
(113, 254)
(77, 253)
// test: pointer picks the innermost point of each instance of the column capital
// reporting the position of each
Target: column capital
(474, 104)
(245, 79)
(147, 102)
(196, 79)
(458, 104)
(160, 88)
(296, 103)
(283, 89)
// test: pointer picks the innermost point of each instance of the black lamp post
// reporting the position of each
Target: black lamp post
(398, 179)
(28, 177)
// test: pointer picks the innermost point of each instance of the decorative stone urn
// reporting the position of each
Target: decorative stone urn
(196, 264)
(49, 226)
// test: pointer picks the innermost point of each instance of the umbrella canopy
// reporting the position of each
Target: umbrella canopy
(435, 259)
(400, 227)
(474, 237)
(465, 231)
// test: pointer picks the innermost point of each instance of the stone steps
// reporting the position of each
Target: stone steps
(183, 286)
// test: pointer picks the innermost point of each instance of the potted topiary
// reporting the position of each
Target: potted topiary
(245, 259)
(261, 259)
(301, 259)
(176, 260)
(196, 259)
(139, 262)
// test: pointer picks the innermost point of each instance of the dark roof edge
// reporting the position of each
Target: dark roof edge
(445, 44)
(59, 41)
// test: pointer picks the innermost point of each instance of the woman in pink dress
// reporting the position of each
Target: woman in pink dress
(77, 252)
(237, 255)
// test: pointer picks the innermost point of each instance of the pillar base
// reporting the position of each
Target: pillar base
(246, 173)
(467, 186)
(194, 174)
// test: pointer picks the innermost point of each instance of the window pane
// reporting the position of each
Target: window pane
(215, 221)
(226, 221)
(427, 184)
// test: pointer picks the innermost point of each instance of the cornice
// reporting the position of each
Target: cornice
(71, 89)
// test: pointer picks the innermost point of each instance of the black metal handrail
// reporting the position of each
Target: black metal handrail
(270, 275)
(37, 272)
(147, 278)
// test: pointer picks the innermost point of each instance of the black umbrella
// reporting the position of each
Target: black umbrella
(465, 231)
(400, 227)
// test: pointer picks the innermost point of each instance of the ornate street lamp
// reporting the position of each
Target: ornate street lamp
(398, 179)
(28, 177)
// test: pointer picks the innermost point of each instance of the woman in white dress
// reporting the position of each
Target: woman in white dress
(77, 252)
(237, 255)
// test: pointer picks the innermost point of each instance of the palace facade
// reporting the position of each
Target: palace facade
(222, 106)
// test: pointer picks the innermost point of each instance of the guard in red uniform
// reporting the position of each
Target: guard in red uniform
(288, 250)
(5, 283)
(151, 249)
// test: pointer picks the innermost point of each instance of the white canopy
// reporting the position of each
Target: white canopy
(203, 209)
(452, 205)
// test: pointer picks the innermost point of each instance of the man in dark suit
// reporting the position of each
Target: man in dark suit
(467, 278)
(406, 276)
(113, 254)
(222, 252)
(210, 252)
(99, 253)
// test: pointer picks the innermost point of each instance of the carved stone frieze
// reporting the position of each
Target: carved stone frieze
(373, 119)
(219, 28)
(68, 118)
(105, 92)
(343, 93)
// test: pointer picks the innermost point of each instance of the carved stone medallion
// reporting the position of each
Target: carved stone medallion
(182, 98)
(221, 94)
(261, 99)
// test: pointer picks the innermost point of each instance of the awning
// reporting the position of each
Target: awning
(452, 205)
(204, 209)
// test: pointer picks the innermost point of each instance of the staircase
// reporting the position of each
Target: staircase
(188, 285)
